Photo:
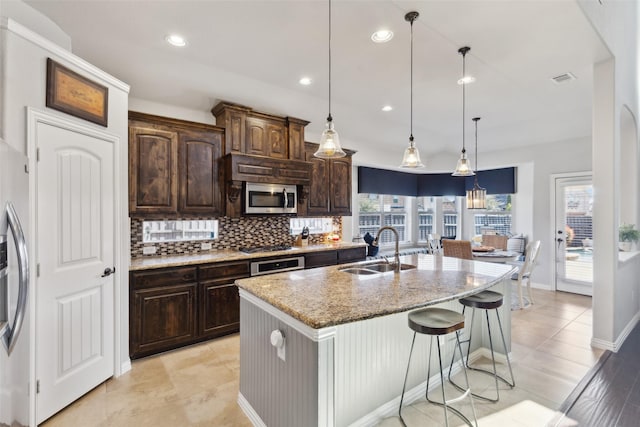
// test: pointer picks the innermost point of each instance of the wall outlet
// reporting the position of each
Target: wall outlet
(205, 246)
(149, 250)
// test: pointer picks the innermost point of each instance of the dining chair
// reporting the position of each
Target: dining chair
(434, 245)
(531, 255)
(495, 241)
(457, 249)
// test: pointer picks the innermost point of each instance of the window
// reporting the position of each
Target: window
(315, 225)
(496, 218)
(177, 231)
(377, 210)
(426, 217)
(414, 217)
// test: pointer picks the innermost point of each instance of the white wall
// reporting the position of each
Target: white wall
(24, 52)
(615, 85)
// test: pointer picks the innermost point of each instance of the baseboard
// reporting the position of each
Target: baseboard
(125, 367)
(541, 286)
(390, 408)
(617, 344)
(250, 412)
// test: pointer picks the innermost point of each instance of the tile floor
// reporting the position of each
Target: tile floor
(198, 385)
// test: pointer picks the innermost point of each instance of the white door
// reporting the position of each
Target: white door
(574, 234)
(75, 292)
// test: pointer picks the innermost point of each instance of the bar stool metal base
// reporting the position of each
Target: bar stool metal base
(442, 322)
(486, 300)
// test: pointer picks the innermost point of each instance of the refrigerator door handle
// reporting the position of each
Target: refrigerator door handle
(12, 332)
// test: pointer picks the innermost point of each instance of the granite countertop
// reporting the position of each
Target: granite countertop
(326, 296)
(148, 263)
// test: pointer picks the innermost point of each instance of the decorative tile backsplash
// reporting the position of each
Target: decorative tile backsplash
(233, 233)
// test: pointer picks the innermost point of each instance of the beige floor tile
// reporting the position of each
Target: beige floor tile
(198, 385)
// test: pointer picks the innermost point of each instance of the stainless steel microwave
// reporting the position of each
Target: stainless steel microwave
(270, 199)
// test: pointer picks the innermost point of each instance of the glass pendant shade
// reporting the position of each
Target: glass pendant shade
(463, 168)
(329, 143)
(476, 197)
(411, 158)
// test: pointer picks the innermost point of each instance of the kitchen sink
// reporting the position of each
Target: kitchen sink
(376, 268)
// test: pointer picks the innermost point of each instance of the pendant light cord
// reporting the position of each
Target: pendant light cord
(464, 53)
(411, 86)
(475, 119)
(329, 118)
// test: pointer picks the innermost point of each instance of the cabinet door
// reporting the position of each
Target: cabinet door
(162, 318)
(256, 138)
(219, 298)
(277, 145)
(340, 183)
(296, 140)
(352, 255)
(219, 308)
(318, 199)
(153, 164)
(199, 172)
(320, 259)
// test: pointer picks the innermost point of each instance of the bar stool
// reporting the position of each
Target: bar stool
(485, 300)
(435, 322)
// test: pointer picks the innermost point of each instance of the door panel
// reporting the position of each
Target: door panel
(574, 235)
(75, 234)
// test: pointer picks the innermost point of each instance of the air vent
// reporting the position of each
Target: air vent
(563, 78)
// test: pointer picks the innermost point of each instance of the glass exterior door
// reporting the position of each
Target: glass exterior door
(574, 235)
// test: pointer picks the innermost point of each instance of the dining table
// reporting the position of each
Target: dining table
(494, 255)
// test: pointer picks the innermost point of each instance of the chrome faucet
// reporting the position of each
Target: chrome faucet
(397, 254)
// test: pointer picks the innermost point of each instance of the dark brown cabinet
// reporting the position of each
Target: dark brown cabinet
(153, 160)
(352, 255)
(162, 310)
(199, 172)
(265, 138)
(174, 166)
(219, 298)
(320, 259)
(260, 134)
(173, 307)
(330, 187)
(333, 257)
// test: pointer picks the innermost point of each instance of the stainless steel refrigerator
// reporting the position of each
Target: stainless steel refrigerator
(14, 283)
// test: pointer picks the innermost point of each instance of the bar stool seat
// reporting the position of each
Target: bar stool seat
(435, 321)
(485, 300)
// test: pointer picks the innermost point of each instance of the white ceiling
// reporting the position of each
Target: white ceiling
(254, 52)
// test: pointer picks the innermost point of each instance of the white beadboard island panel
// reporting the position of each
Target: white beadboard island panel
(349, 373)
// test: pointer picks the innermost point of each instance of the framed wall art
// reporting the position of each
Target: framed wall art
(71, 93)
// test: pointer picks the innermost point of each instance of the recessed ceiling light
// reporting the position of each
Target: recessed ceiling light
(382, 36)
(306, 81)
(176, 40)
(387, 108)
(466, 80)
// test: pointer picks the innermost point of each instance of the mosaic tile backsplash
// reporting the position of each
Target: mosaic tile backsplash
(233, 233)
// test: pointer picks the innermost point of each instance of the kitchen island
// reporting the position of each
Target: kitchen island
(326, 347)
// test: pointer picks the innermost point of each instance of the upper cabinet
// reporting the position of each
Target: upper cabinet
(330, 187)
(255, 133)
(174, 166)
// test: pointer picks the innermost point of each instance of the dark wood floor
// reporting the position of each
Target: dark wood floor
(609, 396)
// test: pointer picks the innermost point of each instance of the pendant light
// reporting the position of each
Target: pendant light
(329, 141)
(411, 158)
(463, 168)
(477, 196)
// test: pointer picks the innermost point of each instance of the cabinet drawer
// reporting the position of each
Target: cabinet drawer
(320, 259)
(228, 270)
(163, 277)
(162, 318)
(352, 255)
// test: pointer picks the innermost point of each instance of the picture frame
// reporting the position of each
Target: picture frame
(71, 93)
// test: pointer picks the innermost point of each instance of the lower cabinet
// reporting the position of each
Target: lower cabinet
(173, 307)
(219, 298)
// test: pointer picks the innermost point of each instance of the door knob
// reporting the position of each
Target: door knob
(108, 271)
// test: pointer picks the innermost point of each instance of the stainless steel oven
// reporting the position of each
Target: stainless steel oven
(270, 199)
(277, 265)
